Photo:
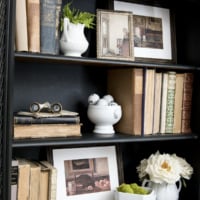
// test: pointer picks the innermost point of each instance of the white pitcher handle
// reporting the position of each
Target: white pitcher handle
(179, 185)
(145, 181)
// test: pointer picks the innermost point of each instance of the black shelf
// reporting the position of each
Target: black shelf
(44, 58)
(91, 138)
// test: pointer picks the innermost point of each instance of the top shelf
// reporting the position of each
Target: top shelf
(43, 58)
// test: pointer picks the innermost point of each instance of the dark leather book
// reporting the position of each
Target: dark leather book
(46, 120)
(49, 26)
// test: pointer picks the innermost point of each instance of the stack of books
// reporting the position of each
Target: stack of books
(43, 124)
(35, 180)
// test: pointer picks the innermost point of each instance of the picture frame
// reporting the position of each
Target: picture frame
(154, 31)
(114, 35)
(87, 172)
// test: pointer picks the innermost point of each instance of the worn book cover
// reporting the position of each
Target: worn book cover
(14, 179)
(46, 130)
(178, 103)
(171, 85)
(126, 86)
(50, 12)
(187, 102)
(33, 24)
(21, 31)
(52, 179)
(149, 101)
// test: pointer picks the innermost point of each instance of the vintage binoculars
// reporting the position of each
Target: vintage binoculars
(37, 107)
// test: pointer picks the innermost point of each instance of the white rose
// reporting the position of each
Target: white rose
(163, 168)
(141, 169)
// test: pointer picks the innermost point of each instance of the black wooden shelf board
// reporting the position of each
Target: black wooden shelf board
(91, 138)
(36, 57)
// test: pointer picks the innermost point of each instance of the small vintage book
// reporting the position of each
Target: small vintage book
(169, 121)
(126, 86)
(46, 130)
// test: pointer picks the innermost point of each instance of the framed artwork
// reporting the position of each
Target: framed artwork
(114, 35)
(86, 172)
(154, 32)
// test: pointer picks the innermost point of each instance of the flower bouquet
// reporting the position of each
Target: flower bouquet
(162, 171)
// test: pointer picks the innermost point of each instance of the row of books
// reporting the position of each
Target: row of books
(37, 26)
(33, 180)
(46, 125)
(152, 102)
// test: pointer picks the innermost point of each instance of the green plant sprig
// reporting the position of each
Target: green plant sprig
(76, 16)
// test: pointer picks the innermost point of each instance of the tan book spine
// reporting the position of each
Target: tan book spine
(178, 103)
(33, 21)
(21, 32)
(23, 180)
(149, 101)
(46, 130)
(52, 180)
(157, 103)
(126, 86)
(170, 102)
(163, 103)
(187, 103)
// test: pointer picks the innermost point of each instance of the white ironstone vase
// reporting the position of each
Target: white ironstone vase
(164, 191)
(73, 41)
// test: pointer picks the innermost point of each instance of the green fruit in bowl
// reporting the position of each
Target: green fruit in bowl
(133, 188)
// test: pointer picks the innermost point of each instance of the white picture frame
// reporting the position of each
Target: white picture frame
(98, 164)
(164, 54)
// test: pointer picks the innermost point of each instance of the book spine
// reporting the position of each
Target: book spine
(46, 120)
(33, 24)
(187, 103)
(14, 179)
(21, 36)
(49, 25)
(170, 102)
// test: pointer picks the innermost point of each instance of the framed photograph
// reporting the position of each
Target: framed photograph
(115, 35)
(86, 172)
(154, 32)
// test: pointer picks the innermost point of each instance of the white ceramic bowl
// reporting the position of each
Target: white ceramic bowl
(104, 117)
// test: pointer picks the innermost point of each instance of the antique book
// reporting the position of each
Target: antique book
(178, 103)
(44, 182)
(14, 179)
(169, 121)
(46, 130)
(33, 25)
(157, 102)
(34, 185)
(49, 26)
(21, 32)
(23, 179)
(163, 102)
(52, 179)
(149, 101)
(126, 86)
(21, 119)
(187, 102)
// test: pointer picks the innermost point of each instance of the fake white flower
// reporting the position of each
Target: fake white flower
(160, 168)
